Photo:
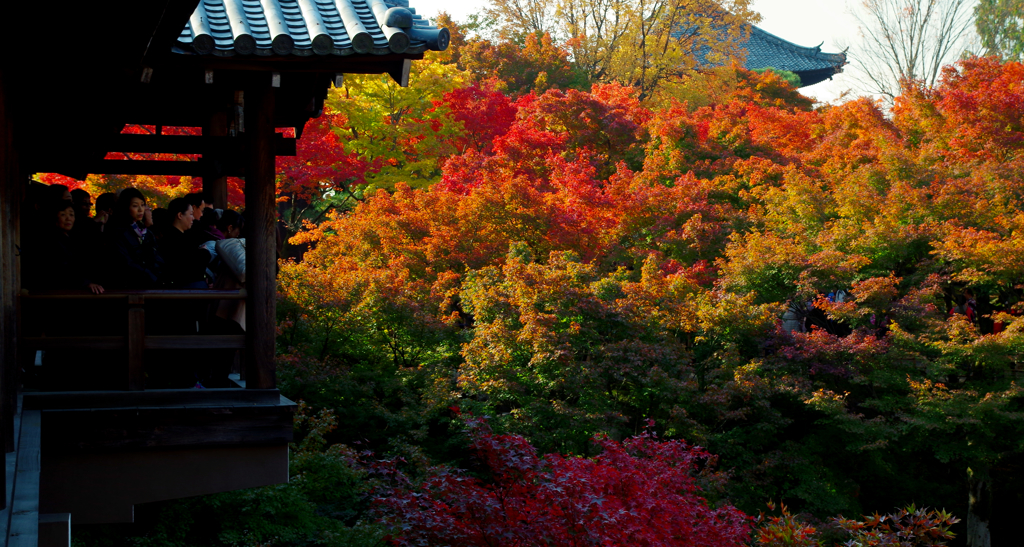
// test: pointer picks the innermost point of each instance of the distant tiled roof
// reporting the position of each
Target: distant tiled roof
(308, 27)
(765, 50)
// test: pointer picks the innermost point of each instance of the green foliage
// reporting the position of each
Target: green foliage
(791, 78)
(323, 504)
(563, 285)
(785, 530)
(1001, 27)
(573, 263)
(391, 125)
(909, 527)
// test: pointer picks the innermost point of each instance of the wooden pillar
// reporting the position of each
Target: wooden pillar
(10, 228)
(261, 245)
(8, 180)
(216, 187)
(11, 185)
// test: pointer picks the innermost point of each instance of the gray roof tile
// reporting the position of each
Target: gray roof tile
(765, 50)
(308, 27)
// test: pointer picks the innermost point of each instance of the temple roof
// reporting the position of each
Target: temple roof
(308, 27)
(765, 50)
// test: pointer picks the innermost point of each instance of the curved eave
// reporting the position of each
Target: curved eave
(811, 77)
(810, 52)
(184, 48)
(766, 50)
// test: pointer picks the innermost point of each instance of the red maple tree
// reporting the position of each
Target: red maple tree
(640, 492)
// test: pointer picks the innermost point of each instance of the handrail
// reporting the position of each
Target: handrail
(180, 294)
(135, 340)
(188, 341)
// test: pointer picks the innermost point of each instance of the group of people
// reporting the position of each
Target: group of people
(128, 245)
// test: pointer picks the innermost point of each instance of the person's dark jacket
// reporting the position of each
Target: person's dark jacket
(184, 261)
(133, 262)
(199, 234)
(57, 261)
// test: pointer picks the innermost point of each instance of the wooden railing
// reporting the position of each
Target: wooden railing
(134, 340)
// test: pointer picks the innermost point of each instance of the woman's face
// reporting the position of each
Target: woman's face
(66, 219)
(147, 219)
(137, 209)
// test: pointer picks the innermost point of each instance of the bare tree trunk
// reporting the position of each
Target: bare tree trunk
(979, 510)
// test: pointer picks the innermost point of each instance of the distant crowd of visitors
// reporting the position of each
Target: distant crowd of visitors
(127, 245)
(805, 316)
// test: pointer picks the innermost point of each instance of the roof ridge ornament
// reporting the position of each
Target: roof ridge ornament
(436, 38)
(398, 17)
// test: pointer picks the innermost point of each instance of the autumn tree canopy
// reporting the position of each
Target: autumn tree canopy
(595, 262)
(545, 246)
(646, 45)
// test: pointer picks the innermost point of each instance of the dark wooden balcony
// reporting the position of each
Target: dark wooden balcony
(114, 327)
(115, 437)
(110, 423)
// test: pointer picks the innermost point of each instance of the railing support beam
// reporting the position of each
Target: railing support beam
(261, 245)
(136, 342)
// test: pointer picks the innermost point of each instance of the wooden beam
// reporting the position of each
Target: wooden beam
(196, 341)
(173, 18)
(215, 184)
(174, 144)
(365, 64)
(11, 187)
(217, 143)
(229, 153)
(188, 341)
(133, 167)
(153, 428)
(136, 343)
(177, 294)
(399, 72)
(54, 529)
(55, 400)
(261, 246)
(107, 343)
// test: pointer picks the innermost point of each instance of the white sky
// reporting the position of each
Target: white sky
(803, 22)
